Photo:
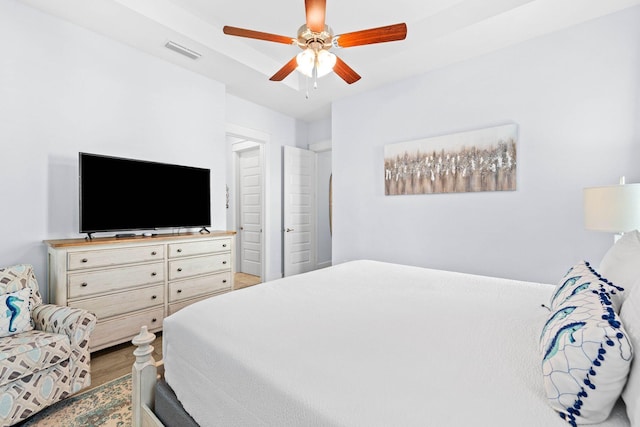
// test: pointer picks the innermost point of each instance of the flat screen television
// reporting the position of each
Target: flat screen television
(118, 194)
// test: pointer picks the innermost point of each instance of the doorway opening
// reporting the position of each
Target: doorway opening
(247, 198)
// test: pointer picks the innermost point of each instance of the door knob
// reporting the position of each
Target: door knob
(289, 230)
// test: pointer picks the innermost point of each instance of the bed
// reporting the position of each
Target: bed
(363, 343)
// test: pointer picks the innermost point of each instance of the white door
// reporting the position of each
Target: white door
(299, 211)
(250, 211)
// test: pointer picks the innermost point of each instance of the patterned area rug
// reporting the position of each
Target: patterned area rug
(108, 405)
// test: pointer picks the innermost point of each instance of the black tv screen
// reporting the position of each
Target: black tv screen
(126, 194)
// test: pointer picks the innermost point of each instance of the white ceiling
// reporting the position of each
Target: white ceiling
(440, 32)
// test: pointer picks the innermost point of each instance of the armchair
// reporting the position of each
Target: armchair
(49, 363)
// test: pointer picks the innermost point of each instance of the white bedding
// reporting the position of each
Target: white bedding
(365, 344)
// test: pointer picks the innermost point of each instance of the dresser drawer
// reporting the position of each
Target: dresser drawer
(93, 282)
(123, 302)
(177, 250)
(185, 289)
(177, 306)
(112, 331)
(182, 268)
(108, 257)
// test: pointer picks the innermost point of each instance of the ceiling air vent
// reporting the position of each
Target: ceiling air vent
(182, 50)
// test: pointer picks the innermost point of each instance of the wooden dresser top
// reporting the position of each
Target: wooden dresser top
(60, 243)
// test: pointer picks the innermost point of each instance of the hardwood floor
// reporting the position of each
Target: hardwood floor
(243, 280)
(116, 361)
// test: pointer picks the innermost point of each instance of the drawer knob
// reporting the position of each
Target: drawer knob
(154, 274)
(179, 250)
(85, 260)
(179, 291)
(84, 284)
(180, 269)
(154, 253)
(153, 297)
(153, 320)
(224, 262)
(224, 245)
(224, 280)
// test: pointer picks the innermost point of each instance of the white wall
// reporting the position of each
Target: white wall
(282, 130)
(63, 90)
(576, 98)
(319, 130)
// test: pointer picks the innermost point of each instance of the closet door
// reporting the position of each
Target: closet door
(299, 211)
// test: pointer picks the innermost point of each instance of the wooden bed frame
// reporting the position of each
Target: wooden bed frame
(144, 376)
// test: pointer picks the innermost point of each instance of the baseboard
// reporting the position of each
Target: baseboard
(324, 264)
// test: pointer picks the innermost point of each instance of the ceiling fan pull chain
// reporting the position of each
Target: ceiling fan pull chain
(315, 74)
(306, 79)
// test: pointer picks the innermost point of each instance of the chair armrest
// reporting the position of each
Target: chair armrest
(76, 323)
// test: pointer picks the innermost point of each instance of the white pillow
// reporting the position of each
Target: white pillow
(582, 278)
(621, 263)
(630, 315)
(15, 312)
(585, 357)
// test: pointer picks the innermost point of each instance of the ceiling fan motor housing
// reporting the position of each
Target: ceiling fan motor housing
(311, 39)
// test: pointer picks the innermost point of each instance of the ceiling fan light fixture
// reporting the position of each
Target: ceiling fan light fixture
(323, 61)
(315, 38)
(306, 61)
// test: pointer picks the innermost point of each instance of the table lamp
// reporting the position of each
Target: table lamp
(614, 208)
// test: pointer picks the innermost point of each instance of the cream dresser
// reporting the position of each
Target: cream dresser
(135, 281)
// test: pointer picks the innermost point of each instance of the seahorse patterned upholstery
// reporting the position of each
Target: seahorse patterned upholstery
(19, 277)
(15, 312)
(47, 364)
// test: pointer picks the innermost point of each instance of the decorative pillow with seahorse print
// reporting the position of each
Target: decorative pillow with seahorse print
(586, 356)
(580, 278)
(15, 312)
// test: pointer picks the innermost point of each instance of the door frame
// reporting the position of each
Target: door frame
(317, 148)
(246, 139)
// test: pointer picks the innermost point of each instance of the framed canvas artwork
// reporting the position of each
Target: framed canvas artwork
(478, 160)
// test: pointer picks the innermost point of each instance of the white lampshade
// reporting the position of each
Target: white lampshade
(615, 208)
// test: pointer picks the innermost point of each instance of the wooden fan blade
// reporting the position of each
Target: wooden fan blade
(285, 71)
(345, 72)
(241, 32)
(373, 35)
(316, 11)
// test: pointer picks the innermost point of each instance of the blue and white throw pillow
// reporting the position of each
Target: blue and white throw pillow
(580, 278)
(586, 355)
(630, 315)
(15, 312)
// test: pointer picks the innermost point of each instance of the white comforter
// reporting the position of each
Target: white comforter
(365, 344)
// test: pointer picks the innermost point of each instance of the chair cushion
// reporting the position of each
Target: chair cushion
(29, 352)
(19, 277)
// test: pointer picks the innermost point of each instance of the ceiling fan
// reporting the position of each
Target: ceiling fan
(315, 38)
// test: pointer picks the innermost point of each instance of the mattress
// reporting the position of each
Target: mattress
(365, 343)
